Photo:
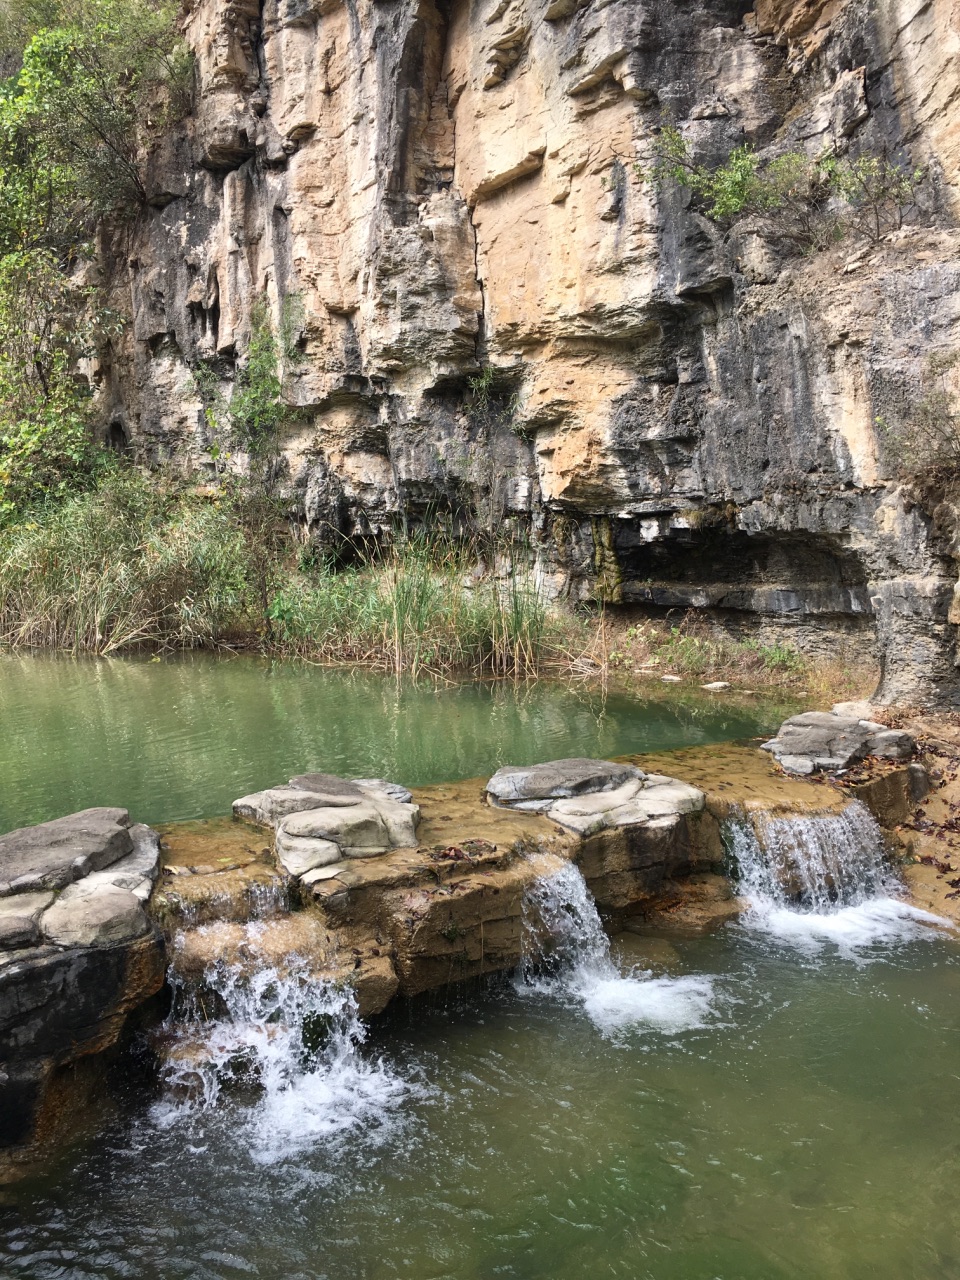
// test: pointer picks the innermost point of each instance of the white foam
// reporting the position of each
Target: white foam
(568, 956)
(878, 922)
(297, 1041)
(668, 1005)
(815, 882)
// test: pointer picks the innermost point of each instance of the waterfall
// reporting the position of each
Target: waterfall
(567, 955)
(815, 879)
(284, 1043)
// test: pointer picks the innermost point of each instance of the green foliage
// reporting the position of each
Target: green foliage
(412, 612)
(130, 563)
(94, 76)
(88, 78)
(691, 648)
(134, 563)
(808, 201)
(47, 323)
(250, 417)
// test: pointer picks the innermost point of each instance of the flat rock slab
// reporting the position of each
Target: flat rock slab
(823, 740)
(326, 784)
(314, 791)
(531, 785)
(94, 915)
(54, 854)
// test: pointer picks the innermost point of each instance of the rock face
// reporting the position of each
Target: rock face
(683, 416)
(77, 955)
(823, 740)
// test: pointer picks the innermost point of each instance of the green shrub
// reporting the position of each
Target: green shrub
(250, 416)
(809, 201)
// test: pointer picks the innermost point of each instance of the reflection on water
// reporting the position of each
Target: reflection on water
(183, 737)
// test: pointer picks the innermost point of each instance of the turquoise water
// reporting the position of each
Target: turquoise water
(182, 738)
(805, 1131)
(778, 1108)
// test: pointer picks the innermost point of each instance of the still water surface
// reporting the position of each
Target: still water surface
(183, 737)
(780, 1109)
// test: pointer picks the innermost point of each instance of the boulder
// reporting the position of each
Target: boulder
(299, 855)
(327, 785)
(392, 789)
(94, 914)
(634, 803)
(372, 826)
(314, 791)
(535, 787)
(823, 740)
(53, 854)
(320, 819)
(273, 805)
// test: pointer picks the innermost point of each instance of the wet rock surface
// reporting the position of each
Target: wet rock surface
(824, 741)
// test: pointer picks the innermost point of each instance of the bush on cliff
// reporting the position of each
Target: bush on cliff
(807, 201)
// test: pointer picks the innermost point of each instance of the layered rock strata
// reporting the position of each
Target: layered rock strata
(78, 954)
(683, 415)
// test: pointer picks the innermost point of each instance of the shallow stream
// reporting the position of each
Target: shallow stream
(771, 1101)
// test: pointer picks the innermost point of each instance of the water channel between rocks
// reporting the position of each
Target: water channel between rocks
(768, 1100)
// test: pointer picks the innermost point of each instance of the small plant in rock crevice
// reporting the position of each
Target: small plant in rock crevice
(250, 416)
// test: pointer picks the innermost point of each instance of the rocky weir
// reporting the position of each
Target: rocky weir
(351, 886)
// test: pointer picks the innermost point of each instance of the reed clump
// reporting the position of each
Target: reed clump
(135, 564)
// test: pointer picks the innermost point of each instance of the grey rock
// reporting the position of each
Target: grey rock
(138, 871)
(53, 854)
(299, 855)
(558, 779)
(271, 806)
(892, 744)
(637, 802)
(94, 915)
(828, 742)
(327, 785)
(374, 826)
(19, 917)
(392, 789)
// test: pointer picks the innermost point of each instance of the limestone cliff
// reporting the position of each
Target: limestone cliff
(683, 417)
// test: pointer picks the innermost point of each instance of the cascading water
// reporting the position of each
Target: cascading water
(567, 955)
(293, 1040)
(814, 879)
